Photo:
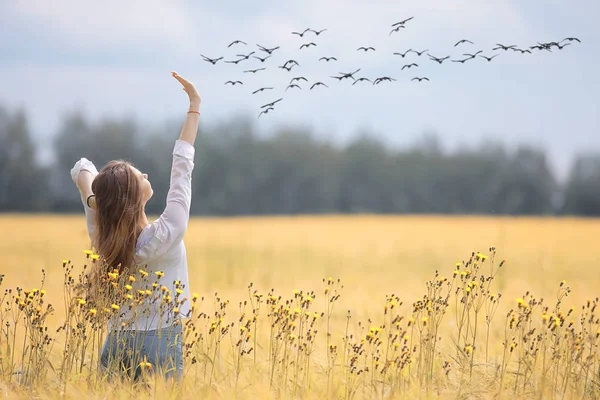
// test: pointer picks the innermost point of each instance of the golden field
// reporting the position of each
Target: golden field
(374, 257)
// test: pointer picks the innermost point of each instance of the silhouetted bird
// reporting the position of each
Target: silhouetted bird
(328, 58)
(262, 59)
(402, 22)
(420, 79)
(244, 57)
(503, 47)
(462, 41)
(317, 32)
(570, 39)
(410, 66)
(266, 111)
(439, 60)
(490, 58)
(403, 54)
(261, 89)
(233, 83)
(396, 29)
(299, 78)
(270, 51)
(236, 42)
(365, 49)
(213, 61)
(360, 80)
(307, 45)
(383, 78)
(293, 85)
(318, 84)
(473, 55)
(255, 70)
(272, 103)
(301, 34)
(419, 53)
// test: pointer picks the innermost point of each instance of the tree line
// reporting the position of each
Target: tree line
(239, 172)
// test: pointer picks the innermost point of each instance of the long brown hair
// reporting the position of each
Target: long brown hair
(119, 215)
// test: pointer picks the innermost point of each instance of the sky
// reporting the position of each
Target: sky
(113, 59)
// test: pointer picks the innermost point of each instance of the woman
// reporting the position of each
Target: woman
(147, 336)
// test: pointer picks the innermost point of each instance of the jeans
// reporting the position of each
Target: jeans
(125, 350)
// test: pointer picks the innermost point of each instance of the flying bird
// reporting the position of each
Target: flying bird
(473, 55)
(570, 39)
(272, 103)
(307, 45)
(360, 80)
(490, 58)
(255, 70)
(403, 54)
(420, 79)
(346, 75)
(462, 41)
(317, 32)
(213, 61)
(365, 49)
(461, 61)
(328, 58)
(503, 47)
(261, 59)
(233, 83)
(236, 42)
(298, 78)
(266, 111)
(234, 61)
(410, 65)
(318, 84)
(269, 51)
(293, 85)
(522, 51)
(261, 89)
(383, 78)
(419, 53)
(402, 22)
(291, 62)
(561, 47)
(396, 29)
(244, 57)
(439, 60)
(301, 34)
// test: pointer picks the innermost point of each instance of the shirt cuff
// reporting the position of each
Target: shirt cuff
(184, 149)
(83, 165)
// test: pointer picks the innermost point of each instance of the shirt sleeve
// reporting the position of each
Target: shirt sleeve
(172, 224)
(90, 214)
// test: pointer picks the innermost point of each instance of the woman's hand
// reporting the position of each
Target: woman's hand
(191, 91)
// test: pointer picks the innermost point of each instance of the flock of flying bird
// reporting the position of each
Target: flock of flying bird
(295, 81)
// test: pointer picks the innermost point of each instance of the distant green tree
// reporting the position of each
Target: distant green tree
(23, 183)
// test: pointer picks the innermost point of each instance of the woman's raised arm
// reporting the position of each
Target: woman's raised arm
(83, 174)
(190, 125)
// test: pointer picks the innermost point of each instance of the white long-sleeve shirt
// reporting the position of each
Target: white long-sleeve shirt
(159, 247)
